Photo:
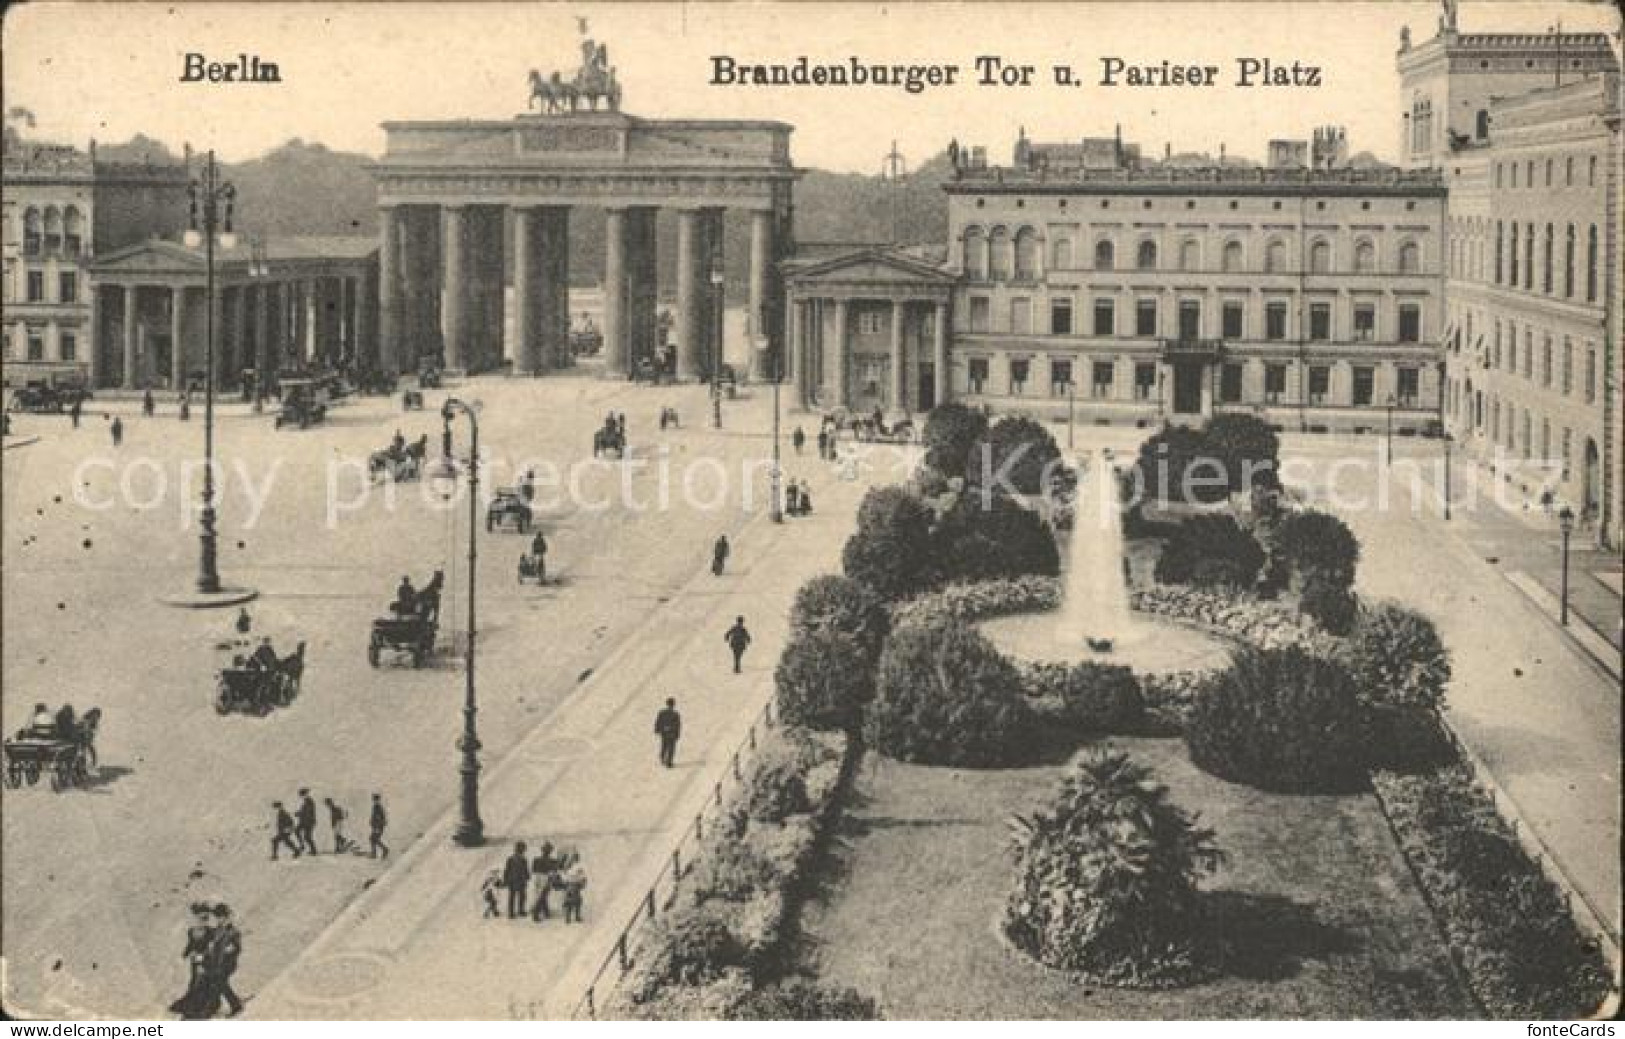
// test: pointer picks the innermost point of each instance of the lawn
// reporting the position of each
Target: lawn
(1313, 890)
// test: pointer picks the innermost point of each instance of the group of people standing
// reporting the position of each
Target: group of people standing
(551, 870)
(213, 947)
(296, 831)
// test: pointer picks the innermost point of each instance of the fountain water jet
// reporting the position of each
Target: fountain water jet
(1094, 591)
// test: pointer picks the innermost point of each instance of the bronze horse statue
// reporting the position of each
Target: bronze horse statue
(555, 94)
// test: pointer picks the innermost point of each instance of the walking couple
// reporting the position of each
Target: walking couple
(213, 946)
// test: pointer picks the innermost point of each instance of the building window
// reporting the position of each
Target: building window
(1410, 258)
(1568, 450)
(1063, 254)
(1512, 348)
(1060, 316)
(1498, 176)
(1546, 361)
(1410, 323)
(1232, 257)
(36, 287)
(68, 346)
(1567, 374)
(1568, 172)
(1026, 255)
(1410, 386)
(1021, 316)
(1512, 278)
(1103, 373)
(68, 286)
(1230, 383)
(1190, 319)
(1060, 378)
(1275, 321)
(1320, 322)
(1320, 258)
(869, 322)
(1145, 258)
(1365, 380)
(980, 312)
(1591, 374)
(1018, 376)
(31, 233)
(1365, 322)
(1274, 383)
(976, 374)
(36, 344)
(1145, 317)
(1591, 172)
(975, 254)
(1190, 255)
(1529, 257)
(1365, 258)
(1233, 314)
(1145, 379)
(1591, 265)
(73, 227)
(1320, 383)
(1105, 318)
(1568, 263)
(1528, 353)
(1275, 257)
(1546, 262)
(1548, 172)
(1105, 255)
(1499, 237)
(1529, 174)
(998, 254)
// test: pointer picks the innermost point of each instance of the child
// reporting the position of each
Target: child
(575, 881)
(489, 889)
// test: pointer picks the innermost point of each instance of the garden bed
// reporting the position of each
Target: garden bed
(1322, 913)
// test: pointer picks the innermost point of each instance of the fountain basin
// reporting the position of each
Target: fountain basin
(1147, 644)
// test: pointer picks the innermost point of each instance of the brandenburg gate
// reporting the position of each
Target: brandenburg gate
(452, 193)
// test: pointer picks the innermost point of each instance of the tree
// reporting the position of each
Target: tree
(1328, 602)
(1210, 550)
(951, 430)
(1178, 464)
(1107, 876)
(890, 549)
(823, 679)
(1015, 454)
(1319, 541)
(1248, 447)
(1400, 668)
(945, 696)
(1002, 539)
(835, 603)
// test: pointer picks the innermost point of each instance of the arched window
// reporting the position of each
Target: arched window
(1145, 258)
(1062, 250)
(1275, 257)
(1233, 258)
(1365, 256)
(1105, 255)
(1410, 258)
(1591, 265)
(975, 254)
(1482, 124)
(1568, 263)
(1546, 261)
(1190, 255)
(73, 230)
(998, 254)
(1026, 254)
(31, 232)
(1320, 257)
(53, 229)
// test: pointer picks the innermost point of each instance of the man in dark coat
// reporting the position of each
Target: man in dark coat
(668, 726)
(307, 822)
(544, 870)
(738, 639)
(406, 598)
(283, 837)
(220, 959)
(375, 826)
(538, 552)
(719, 555)
(117, 429)
(516, 878)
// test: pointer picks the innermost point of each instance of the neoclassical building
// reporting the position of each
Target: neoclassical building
(1307, 291)
(1530, 155)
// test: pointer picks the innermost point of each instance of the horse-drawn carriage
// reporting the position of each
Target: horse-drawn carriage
(873, 430)
(411, 626)
(609, 439)
(46, 398)
(68, 758)
(256, 685)
(411, 400)
(532, 568)
(399, 462)
(304, 401)
(508, 505)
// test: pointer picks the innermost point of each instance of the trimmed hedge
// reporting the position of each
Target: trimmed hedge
(1016, 454)
(1088, 696)
(890, 549)
(1210, 551)
(823, 680)
(980, 601)
(1267, 625)
(1401, 668)
(951, 430)
(985, 539)
(836, 603)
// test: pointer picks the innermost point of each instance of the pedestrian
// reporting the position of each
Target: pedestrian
(186, 409)
(803, 500)
(375, 825)
(307, 822)
(488, 892)
(538, 552)
(335, 819)
(516, 878)
(283, 836)
(220, 960)
(668, 726)
(798, 439)
(244, 621)
(575, 882)
(76, 411)
(117, 429)
(148, 405)
(823, 444)
(738, 640)
(719, 555)
(545, 870)
(200, 1000)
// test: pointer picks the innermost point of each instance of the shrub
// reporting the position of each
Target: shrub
(1178, 464)
(823, 679)
(1318, 541)
(1248, 447)
(1329, 603)
(1089, 696)
(1016, 452)
(890, 549)
(1107, 877)
(835, 603)
(800, 1000)
(1400, 668)
(979, 601)
(951, 431)
(1002, 539)
(1210, 551)
(1281, 719)
(691, 945)
(945, 696)
(733, 870)
(781, 781)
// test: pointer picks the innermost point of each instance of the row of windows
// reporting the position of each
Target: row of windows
(997, 256)
(52, 231)
(1522, 249)
(34, 285)
(1510, 427)
(1103, 377)
(1559, 376)
(1506, 173)
(33, 344)
(1190, 203)
(1233, 320)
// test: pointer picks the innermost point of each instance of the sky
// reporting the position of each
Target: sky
(111, 70)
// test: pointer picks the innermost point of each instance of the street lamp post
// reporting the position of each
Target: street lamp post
(470, 832)
(1565, 521)
(716, 343)
(1071, 410)
(1448, 440)
(1390, 437)
(215, 199)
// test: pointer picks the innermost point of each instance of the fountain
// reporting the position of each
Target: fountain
(1094, 592)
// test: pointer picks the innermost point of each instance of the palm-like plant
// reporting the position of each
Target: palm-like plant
(1108, 876)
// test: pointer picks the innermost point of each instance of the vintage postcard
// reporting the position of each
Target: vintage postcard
(777, 511)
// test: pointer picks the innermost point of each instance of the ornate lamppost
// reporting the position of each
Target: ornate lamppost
(470, 832)
(716, 342)
(1389, 441)
(1448, 441)
(1565, 521)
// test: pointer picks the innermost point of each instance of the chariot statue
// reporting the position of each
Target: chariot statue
(594, 81)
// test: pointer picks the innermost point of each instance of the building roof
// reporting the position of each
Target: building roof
(869, 264)
(158, 255)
